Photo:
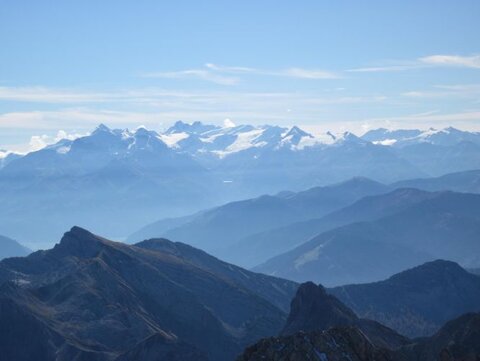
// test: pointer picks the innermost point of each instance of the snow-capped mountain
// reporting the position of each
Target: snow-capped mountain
(138, 176)
(198, 139)
(403, 137)
(7, 156)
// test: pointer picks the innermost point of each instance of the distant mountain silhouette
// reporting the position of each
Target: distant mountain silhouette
(468, 181)
(92, 299)
(216, 229)
(252, 231)
(11, 248)
(416, 302)
(445, 226)
(259, 247)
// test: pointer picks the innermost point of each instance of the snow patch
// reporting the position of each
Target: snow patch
(171, 140)
(63, 150)
(385, 142)
(308, 257)
(227, 123)
(244, 141)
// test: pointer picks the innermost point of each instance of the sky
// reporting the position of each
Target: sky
(66, 66)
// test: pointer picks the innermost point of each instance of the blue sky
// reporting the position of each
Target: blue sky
(69, 65)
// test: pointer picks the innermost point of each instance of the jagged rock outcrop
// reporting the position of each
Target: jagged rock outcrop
(336, 344)
(314, 309)
(311, 334)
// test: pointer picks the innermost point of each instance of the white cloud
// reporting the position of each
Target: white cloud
(202, 74)
(48, 95)
(216, 73)
(376, 69)
(38, 142)
(442, 91)
(308, 73)
(423, 62)
(452, 60)
(230, 69)
(227, 123)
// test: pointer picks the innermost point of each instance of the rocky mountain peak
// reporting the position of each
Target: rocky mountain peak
(313, 309)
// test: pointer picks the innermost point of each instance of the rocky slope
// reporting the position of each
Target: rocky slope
(336, 344)
(92, 299)
(409, 302)
(313, 310)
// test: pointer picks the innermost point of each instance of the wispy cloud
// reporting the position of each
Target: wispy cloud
(308, 73)
(202, 74)
(442, 91)
(388, 68)
(452, 60)
(221, 74)
(424, 62)
(49, 95)
(294, 72)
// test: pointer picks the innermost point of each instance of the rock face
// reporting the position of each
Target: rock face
(336, 344)
(309, 335)
(458, 340)
(409, 302)
(313, 309)
(93, 299)
(162, 348)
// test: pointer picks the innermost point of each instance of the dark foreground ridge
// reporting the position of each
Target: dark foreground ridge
(92, 299)
(309, 335)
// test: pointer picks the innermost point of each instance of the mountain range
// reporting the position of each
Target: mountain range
(217, 229)
(252, 231)
(138, 177)
(434, 225)
(89, 298)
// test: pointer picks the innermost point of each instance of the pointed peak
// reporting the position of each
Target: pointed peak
(196, 127)
(313, 308)
(102, 127)
(452, 130)
(310, 287)
(350, 137)
(80, 231)
(330, 134)
(142, 130)
(79, 242)
(298, 132)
